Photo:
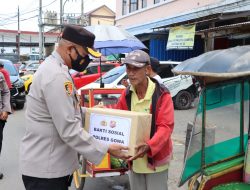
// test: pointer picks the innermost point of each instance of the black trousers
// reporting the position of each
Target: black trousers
(2, 124)
(34, 183)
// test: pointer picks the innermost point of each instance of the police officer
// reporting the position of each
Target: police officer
(5, 108)
(54, 133)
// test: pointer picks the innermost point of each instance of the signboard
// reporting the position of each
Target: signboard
(110, 129)
(181, 37)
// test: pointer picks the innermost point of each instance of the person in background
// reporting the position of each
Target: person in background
(5, 74)
(125, 82)
(41, 60)
(153, 69)
(5, 108)
(151, 72)
(54, 121)
(150, 164)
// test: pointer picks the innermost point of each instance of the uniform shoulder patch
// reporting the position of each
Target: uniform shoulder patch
(68, 87)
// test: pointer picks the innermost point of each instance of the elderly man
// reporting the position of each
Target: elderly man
(54, 120)
(151, 162)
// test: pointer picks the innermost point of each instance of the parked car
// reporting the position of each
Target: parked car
(27, 82)
(91, 73)
(29, 68)
(183, 88)
(111, 79)
(17, 91)
(34, 57)
(31, 58)
(13, 57)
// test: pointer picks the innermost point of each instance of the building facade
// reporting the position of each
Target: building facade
(219, 24)
(132, 13)
(101, 16)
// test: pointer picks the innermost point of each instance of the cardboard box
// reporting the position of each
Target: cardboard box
(118, 126)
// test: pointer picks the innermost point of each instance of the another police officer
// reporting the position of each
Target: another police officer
(54, 133)
(5, 108)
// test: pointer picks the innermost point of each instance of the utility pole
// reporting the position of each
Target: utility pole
(40, 24)
(62, 4)
(61, 14)
(82, 13)
(18, 34)
(3, 50)
(82, 8)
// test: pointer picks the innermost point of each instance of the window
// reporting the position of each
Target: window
(112, 75)
(34, 57)
(143, 3)
(33, 66)
(91, 70)
(124, 7)
(10, 68)
(133, 5)
(156, 1)
(106, 68)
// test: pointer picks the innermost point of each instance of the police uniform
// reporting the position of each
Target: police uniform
(54, 133)
(4, 104)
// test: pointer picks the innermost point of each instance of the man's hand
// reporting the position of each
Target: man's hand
(117, 151)
(141, 150)
(4, 116)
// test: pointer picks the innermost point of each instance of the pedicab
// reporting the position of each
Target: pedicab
(109, 166)
(217, 141)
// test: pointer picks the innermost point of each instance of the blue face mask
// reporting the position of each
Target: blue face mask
(80, 63)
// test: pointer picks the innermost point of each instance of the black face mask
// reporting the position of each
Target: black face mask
(80, 63)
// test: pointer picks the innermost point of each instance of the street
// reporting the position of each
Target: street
(14, 131)
(184, 42)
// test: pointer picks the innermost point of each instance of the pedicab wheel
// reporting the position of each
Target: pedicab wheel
(193, 184)
(79, 175)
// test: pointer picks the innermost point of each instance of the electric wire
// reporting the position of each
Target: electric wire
(20, 20)
(5, 19)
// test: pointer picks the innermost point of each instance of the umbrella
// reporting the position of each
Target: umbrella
(226, 63)
(113, 40)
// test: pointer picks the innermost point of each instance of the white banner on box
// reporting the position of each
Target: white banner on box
(110, 129)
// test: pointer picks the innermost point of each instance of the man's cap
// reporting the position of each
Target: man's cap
(154, 64)
(1, 64)
(137, 58)
(82, 37)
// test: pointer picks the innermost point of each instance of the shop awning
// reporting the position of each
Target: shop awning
(225, 27)
(196, 15)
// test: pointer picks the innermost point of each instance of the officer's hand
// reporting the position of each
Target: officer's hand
(141, 150)
(4, 116)
(118, 151)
